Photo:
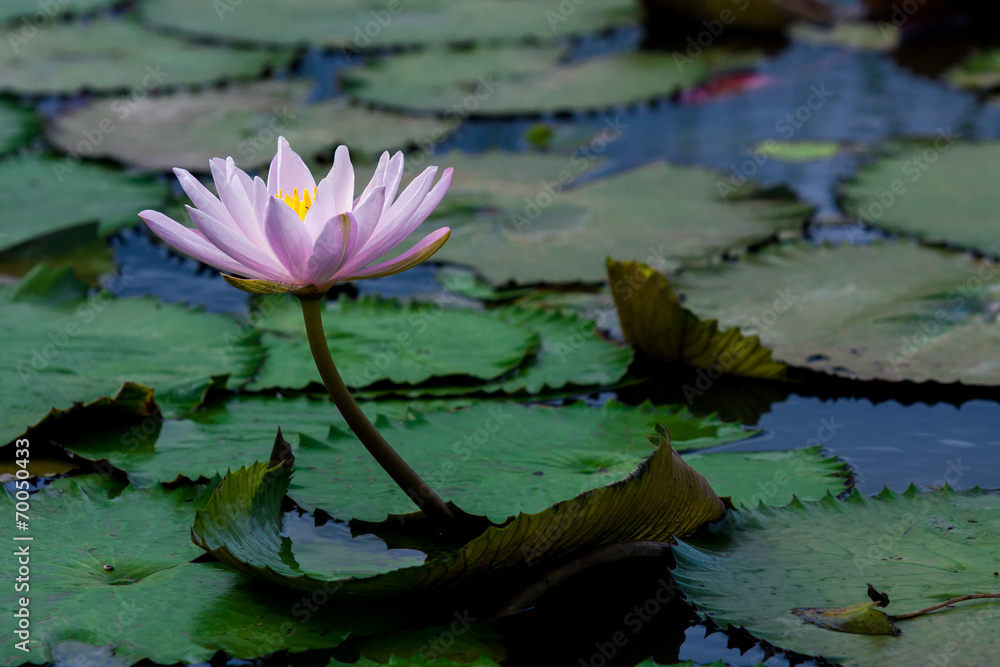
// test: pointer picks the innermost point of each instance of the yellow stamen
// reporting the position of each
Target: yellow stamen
(300, 206)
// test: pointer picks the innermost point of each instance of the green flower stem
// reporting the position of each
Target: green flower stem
(399, 470)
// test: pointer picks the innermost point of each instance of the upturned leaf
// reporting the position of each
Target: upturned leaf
(654, 321)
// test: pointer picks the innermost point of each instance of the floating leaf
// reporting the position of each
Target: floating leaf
(17, 124)
(654, 321)
(980, 71)
(31, 11)
(774, 477)
(112, 571)
(188, 129)
(936, 191)
(494, 458)
(798, 151)
(81, 247)
(862, 36)
(572, 353)
(115, 54)
(373, 340)
(377, 23)
(533, 228)
(661, 498)
(752, 569)
(55, 356)
(52, 194)
(891, 311)
(525, 80)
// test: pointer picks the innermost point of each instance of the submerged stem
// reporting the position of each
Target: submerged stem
(961, 598)
(399, 470)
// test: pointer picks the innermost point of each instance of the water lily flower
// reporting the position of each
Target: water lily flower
(290, 234)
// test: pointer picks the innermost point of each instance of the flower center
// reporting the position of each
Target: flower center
(300, 206)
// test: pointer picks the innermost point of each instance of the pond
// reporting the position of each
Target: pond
(795, 128)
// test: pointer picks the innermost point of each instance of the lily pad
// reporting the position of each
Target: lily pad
(798, 151)
(32, 12)
(936, 191)
(494, 459)
(113, 571)
(980, 71)
(114, 54)
(654, 322)
(374, 340)
(891, 311)
(751, 570)
(377, 23)
(571, 353)
(17, 125)
(525, 80)
(46, 195)
(772, 478)
(57, 355)
(542, 231)
(188, 129)
(661, 498)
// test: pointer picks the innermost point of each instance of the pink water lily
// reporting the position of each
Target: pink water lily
(294, 234)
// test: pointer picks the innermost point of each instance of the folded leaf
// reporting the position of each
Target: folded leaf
(653, 321)
(242, 526)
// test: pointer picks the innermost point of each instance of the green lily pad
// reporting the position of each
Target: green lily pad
(188, 129)
(57, 355)
(752, 569)
(661, 498)
(81, 248)
(535, 229)
(980, 71)
(891, 311)
(374, 340)
(654, 321)
(51, 195)
(17, 125)
(773, 478)
(572, 353)
(936, 191)
(32, 12)
(798, 151)
(525, 80)
(113, 571)
(115, 54)
(494, 458)
(377, 23)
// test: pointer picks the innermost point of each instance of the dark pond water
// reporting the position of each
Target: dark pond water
(939, 435)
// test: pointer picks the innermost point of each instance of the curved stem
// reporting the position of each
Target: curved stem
(399, 470)
(961, 598)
